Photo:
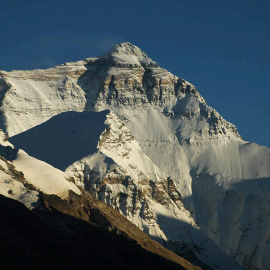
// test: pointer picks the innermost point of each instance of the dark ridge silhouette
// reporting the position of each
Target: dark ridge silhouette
(50, 239)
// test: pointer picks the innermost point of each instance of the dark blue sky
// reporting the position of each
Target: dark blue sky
(220, 46)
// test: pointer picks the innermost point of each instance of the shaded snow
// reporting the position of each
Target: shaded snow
(64, 138)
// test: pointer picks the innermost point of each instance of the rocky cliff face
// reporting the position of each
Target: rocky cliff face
(161, 145)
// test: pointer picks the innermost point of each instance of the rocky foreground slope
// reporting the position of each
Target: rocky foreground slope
(74, 234)
(146, 143)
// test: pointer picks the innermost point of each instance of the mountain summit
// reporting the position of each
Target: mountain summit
(126, 53)
(146, 143)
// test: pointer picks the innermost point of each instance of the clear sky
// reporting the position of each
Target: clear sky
(222, 47)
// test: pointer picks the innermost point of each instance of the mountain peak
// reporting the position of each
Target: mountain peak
(127, 53)
(127, 48)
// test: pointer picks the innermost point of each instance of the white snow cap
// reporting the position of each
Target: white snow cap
(127, 53)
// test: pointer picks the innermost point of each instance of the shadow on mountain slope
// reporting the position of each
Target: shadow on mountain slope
(235, 217)
(187, 241)
(51, 239)
(255, 187)
(63, 139)
(8, 152)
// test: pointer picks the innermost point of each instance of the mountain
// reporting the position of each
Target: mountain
(47, 223)
(146, 143)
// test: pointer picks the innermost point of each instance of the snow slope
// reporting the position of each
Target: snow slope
(23, 176)
(43, 176)
(39, 95)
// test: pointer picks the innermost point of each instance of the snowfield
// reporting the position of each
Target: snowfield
(43, 176)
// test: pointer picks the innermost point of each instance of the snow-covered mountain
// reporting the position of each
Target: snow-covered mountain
(117, 172)
(145, 142)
